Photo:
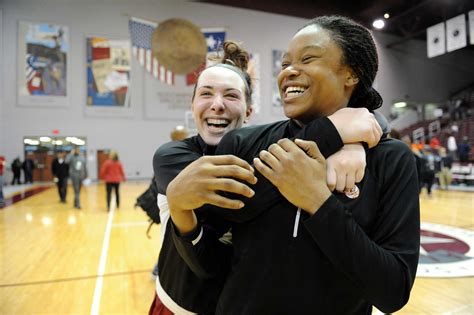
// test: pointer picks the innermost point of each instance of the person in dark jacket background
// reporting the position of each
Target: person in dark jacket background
(60, 171)
(28, 167)
(16, 170)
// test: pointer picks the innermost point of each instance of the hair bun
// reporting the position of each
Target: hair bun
(235, 55)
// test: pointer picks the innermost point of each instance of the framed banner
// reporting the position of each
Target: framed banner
(108, 76)
(43, 64)
(255, 75)
(276, 67)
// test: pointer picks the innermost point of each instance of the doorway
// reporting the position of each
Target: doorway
(42, 150)
(102, 156)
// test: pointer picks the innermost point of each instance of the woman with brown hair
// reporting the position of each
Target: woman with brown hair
(112, 173)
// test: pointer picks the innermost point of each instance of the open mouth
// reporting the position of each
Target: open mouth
(217, 123)
(294, 91)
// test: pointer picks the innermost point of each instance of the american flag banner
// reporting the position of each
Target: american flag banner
(33, 77)
(214, 39)
(141, 32)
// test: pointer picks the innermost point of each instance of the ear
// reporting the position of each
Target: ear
(248, 113)
(351, 78)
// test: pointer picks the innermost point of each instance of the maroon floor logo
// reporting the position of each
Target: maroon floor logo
(445, 251)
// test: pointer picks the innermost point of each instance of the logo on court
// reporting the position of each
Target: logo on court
(445, 251)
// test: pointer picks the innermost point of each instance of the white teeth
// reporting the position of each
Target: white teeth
(295, 89)
(214, 121)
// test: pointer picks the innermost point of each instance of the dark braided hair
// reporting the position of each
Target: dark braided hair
(235, 58)
(358, 52)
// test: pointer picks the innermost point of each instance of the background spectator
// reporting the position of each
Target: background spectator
(464, 150)
(16, 169)
(113, 174)
(60, 171)
(28, 167)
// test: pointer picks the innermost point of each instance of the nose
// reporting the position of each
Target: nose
(218, 104)
(290, 70)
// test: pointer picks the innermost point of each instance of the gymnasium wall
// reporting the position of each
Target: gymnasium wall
(404, 71)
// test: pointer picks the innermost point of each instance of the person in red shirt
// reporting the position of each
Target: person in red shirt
(435, 143)
(112, 173)
(2, 163)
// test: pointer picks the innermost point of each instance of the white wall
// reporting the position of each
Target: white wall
(135, 137)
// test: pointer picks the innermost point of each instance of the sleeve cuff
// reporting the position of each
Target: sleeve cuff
(191, 237)
(328, 136)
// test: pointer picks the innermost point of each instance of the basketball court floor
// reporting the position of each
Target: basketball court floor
(55, 259)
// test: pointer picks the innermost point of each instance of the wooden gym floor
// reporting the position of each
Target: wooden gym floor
(51, 255)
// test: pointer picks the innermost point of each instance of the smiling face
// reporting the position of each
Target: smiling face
(313, 82)
(219, 103)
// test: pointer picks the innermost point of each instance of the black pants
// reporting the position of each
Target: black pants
(16, 177)
(109, 187)
(62, 188)
(28, 177)
(428, 180)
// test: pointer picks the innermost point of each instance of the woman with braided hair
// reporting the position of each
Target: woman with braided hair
(307, 250)
(222, 102)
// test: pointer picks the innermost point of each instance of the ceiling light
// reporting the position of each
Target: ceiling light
(31, 142)
(400, 104)
(386, 15)
(45, 139)
(378, 24)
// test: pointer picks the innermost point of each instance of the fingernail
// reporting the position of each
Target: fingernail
(251, 193)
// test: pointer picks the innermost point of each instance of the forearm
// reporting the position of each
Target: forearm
(324, 133)
(202, 249)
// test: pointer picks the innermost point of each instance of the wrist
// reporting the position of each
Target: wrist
(317, 201)
(338, 125)
(185, 221)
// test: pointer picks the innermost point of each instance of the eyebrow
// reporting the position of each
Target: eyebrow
(318, 47)
(212, 87)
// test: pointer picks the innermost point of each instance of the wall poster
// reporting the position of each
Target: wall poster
(43, 64)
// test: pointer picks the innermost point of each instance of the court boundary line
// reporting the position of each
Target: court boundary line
(103, 260)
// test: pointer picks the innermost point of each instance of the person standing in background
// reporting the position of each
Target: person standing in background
(452, 146)
(16, 169)
(77, 172)
(428, 170)
(2, 166)
(112, 173)
(28, 167)
(445, 176)
(464, 150)
(60, 171)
